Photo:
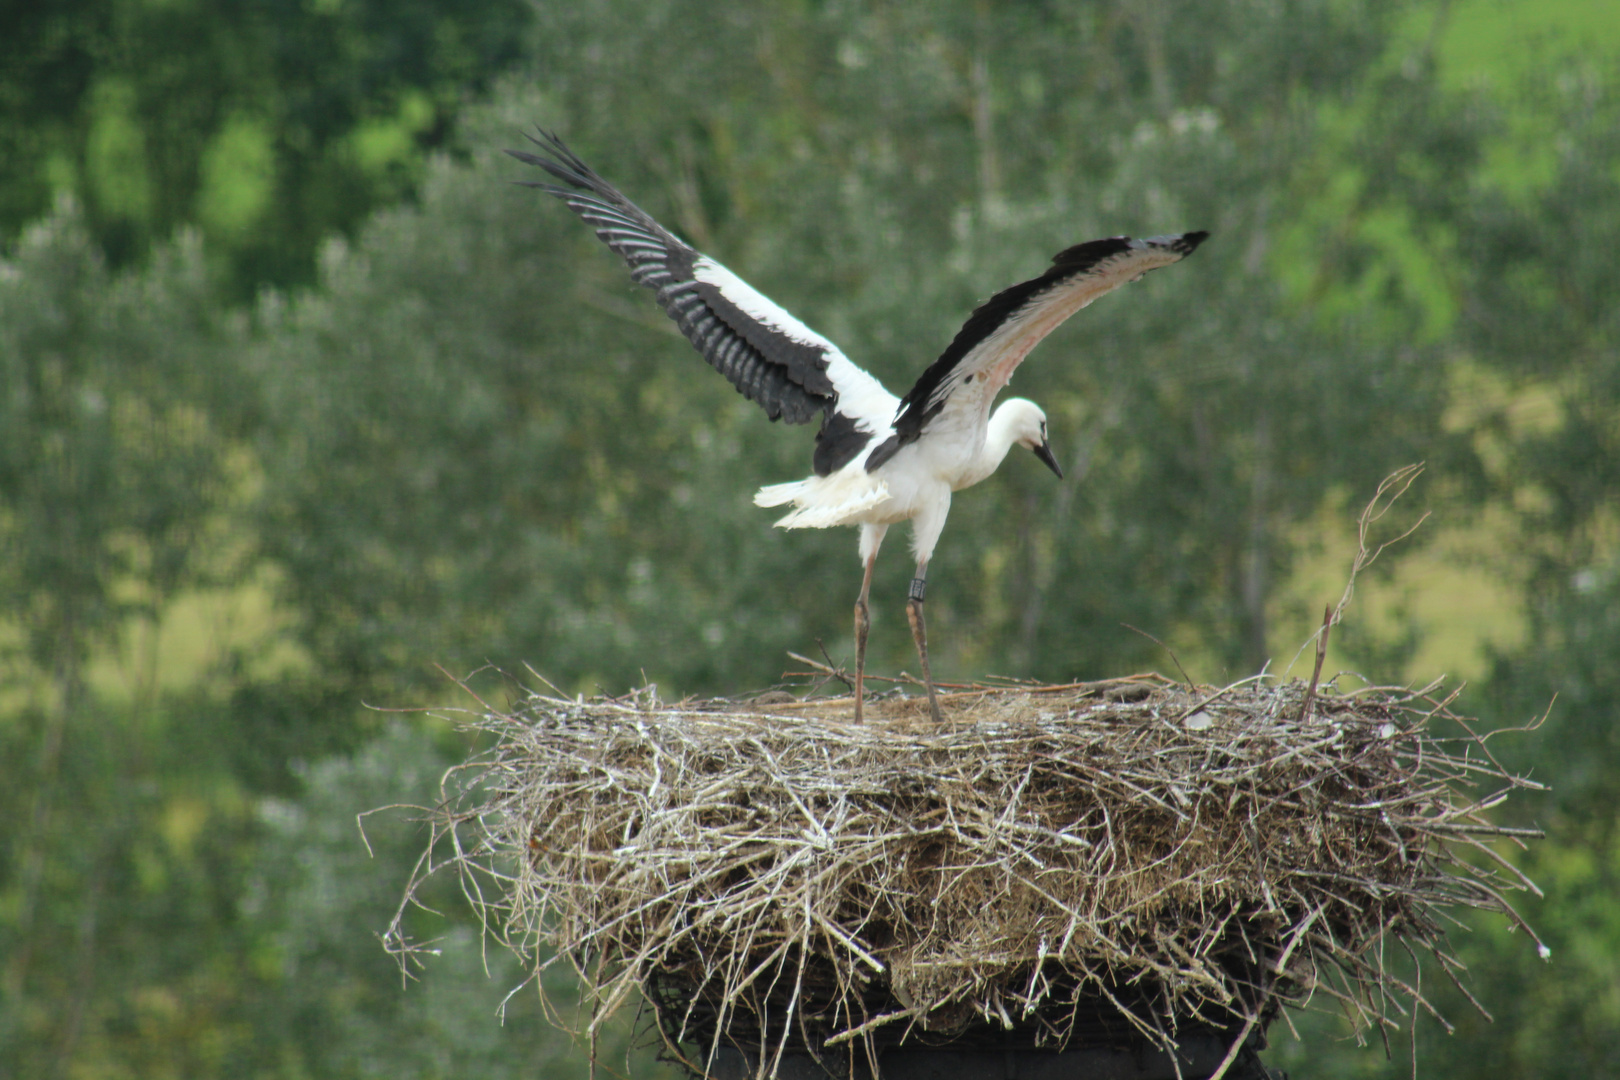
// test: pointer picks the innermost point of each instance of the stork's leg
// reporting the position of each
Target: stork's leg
(863, 623)
(871, 539)
(919, 633)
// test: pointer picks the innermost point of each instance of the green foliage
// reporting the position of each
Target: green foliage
(1540, 266)
(109, 459)
(268, 124)
(113, 473)
(1541, 316)
(119, 932)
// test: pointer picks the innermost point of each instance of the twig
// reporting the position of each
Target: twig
(1259, 1005)
(837, 669)
(1173, 657)
(1389, 492)
(1321, 655)
(1393, 486)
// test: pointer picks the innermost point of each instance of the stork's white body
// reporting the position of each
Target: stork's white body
(965, 444)
(915, 485)
(879, 459)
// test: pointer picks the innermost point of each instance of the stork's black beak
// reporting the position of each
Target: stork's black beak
(1044, 452)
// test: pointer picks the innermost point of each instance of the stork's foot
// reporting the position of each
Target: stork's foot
(919, 633)
(863, 623)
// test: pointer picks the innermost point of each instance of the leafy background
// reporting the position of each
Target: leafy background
(300, 400)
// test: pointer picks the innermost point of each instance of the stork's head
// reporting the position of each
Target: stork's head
(1026, 424)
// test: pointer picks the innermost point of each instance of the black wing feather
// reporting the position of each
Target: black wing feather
(784, 376)
(925, 400)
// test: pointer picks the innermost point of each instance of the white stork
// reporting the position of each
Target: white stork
(878, 459)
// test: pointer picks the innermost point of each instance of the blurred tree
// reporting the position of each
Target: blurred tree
(113, 481)
(330, 1002)
(268, 124)
(1536, 386)
(1540, 319)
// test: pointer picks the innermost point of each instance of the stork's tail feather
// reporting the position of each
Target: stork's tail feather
(778, 494)
(821, 502)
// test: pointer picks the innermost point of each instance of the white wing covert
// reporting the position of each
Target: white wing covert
(772, 358)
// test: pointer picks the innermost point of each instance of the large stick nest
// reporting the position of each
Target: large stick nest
(1093, 863)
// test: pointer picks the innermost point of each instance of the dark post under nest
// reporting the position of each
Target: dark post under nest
(1128, 866)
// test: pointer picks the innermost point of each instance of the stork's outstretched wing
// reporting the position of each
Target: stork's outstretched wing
(1002, 330)
(772, 359)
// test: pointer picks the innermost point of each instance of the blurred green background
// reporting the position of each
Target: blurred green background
(299, 398)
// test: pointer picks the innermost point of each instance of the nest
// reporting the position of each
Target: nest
(1105, 864)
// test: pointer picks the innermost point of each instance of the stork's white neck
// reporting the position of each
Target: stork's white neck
(1004, 429)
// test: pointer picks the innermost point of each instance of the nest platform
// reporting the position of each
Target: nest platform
(1130, 867)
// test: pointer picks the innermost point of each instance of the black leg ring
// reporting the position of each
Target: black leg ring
(918, 587)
